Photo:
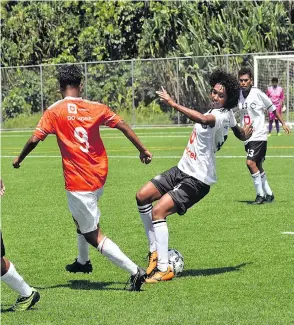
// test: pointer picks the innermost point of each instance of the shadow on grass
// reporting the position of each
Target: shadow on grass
(208, 272)
(247, 202)
(9, 309)
(85, 285)
(6, 308)
(264, 203)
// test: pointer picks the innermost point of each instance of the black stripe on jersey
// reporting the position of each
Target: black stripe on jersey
(145, 209)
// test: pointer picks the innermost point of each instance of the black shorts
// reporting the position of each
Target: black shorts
(185, 190)
(2, 247)
(256, 151)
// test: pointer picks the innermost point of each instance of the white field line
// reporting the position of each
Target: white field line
(136, 157)
(287, 233)
(159, 135)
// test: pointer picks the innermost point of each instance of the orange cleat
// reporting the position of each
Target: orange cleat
(153, 257)
(161, 276)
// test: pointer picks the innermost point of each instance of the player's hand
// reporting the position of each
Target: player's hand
(164, 96)
(2, 188)
(248, 130)
(16, 163)
(146, 157)
(286, 128)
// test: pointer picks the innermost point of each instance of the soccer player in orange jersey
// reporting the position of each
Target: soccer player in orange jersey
(75, 122)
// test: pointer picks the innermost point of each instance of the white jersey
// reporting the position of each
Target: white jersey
(198, 159)
(252, 109)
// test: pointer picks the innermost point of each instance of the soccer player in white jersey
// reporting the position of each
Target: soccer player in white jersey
(180, 187)
(253, 104)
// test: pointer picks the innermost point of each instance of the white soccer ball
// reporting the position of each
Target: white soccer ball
(175, 261)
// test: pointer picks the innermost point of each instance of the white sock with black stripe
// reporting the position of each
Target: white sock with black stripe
(145, 212)
(257, 183)
(109, 249)
(265, 184)
(161, 235)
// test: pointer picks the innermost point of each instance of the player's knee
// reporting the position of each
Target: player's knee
(141, 197)
(157, 213)
(250, 164)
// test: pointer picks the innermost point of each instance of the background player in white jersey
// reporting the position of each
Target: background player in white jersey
(182, 186)
(253, 104)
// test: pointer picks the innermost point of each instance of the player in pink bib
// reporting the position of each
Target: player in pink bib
(276, 94)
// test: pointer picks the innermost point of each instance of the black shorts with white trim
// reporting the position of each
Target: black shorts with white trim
(256, 151)
(184, 189)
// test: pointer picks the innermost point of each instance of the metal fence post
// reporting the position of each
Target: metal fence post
(133, 94)
(288, 89)
(227, 63)
(86, 80)
(178, 87)
(41, 81)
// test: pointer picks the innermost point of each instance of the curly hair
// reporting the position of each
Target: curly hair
(231, 85)
(69, 75)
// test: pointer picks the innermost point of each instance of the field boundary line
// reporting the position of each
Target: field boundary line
(155, 157)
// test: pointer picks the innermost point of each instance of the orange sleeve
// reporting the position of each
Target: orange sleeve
(45, 125)
(110, 118)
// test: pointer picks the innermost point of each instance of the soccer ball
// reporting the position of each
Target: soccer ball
(175, 261)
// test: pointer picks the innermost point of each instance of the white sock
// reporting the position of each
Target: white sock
(109, 249)
(161, 235)
(16, 282)
(257, 183)
(145, 212)
(265, 185)
(83, 248)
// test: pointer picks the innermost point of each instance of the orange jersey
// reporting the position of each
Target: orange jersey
(76, 121)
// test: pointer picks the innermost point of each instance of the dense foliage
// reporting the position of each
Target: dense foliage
(40, 32)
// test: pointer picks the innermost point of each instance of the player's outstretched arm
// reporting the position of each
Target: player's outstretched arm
(145, 155)
(28, 147)
(244, 133)
(190, 113)
(284, 126)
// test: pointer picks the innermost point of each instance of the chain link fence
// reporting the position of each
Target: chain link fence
(128, 87)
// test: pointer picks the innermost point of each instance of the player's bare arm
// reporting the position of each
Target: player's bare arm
(284, 126)
(145, 154)
(2, 188)
(244, 133)
(28, 147)
(190, 113)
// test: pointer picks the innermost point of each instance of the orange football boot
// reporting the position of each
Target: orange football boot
(161, 276)
(153, 257)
